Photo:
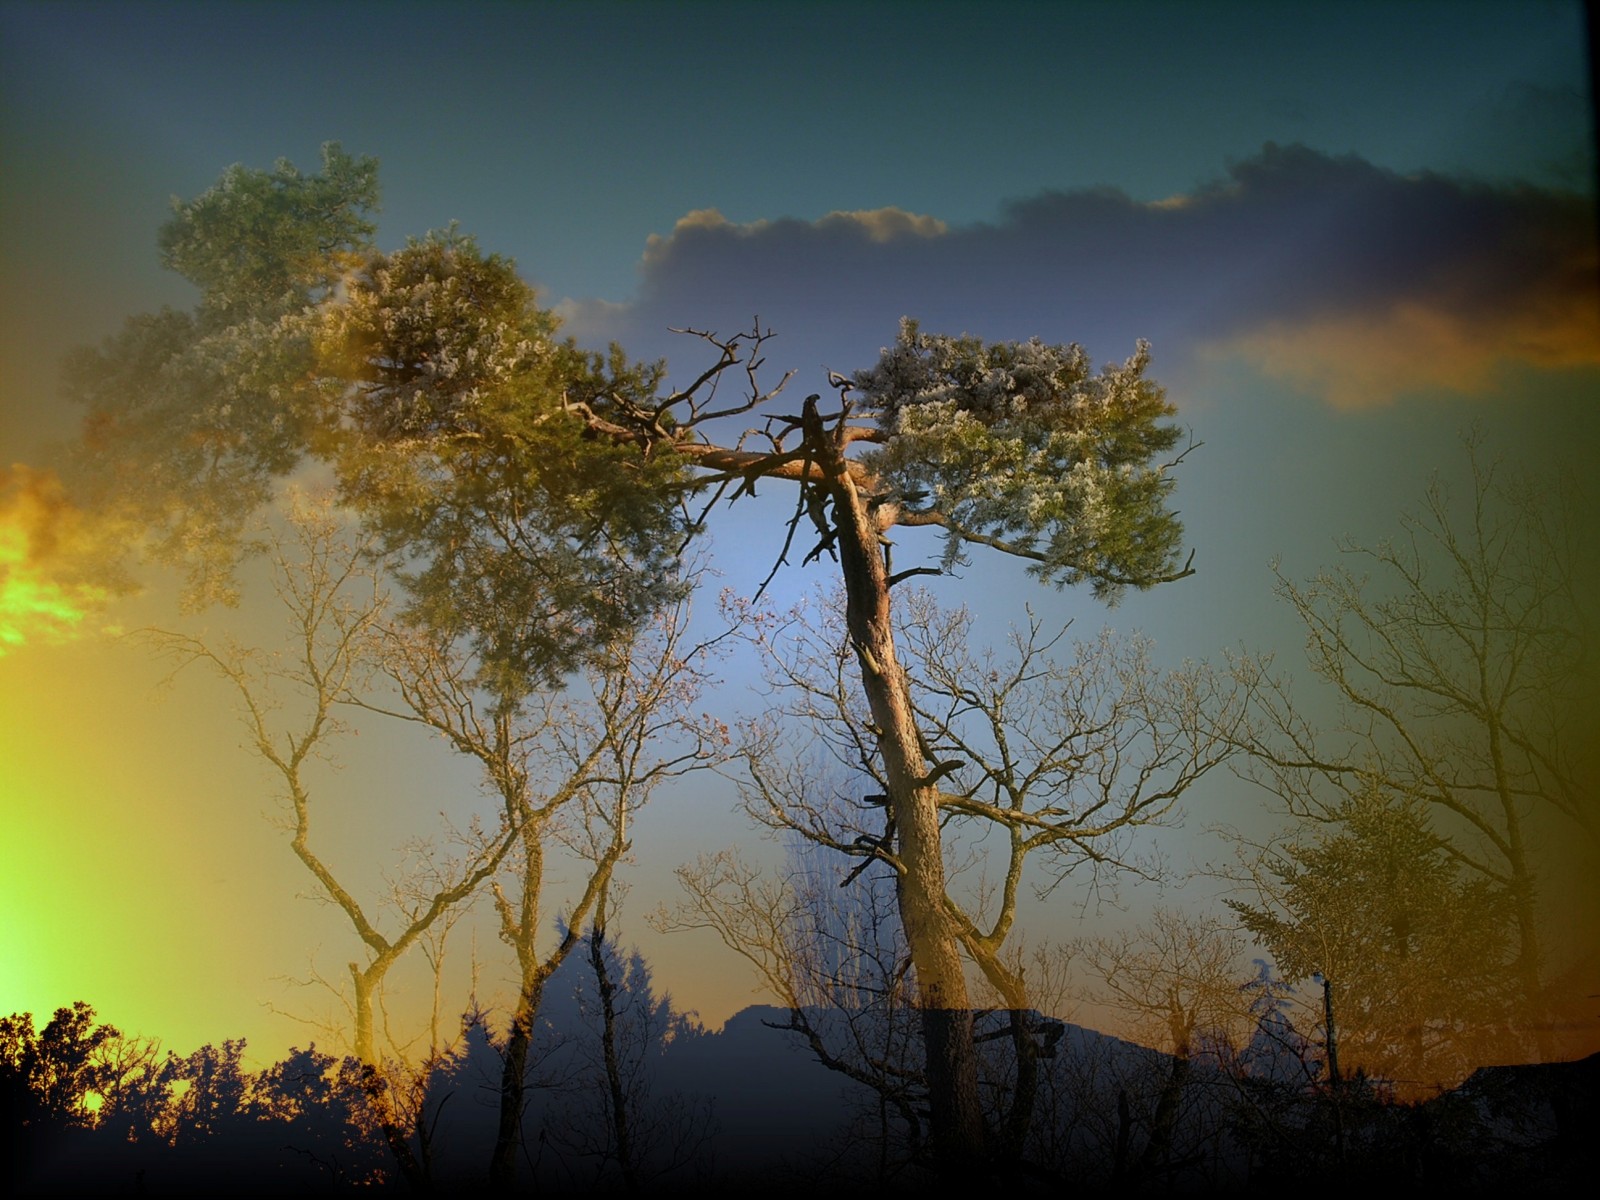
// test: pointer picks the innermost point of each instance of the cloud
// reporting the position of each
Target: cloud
(47, 547)
(874, 225)
(1358, 360)
(885, 224)
(1327, 273)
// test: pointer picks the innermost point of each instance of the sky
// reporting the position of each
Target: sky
(1350, 232)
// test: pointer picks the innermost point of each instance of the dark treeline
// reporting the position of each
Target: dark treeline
(90, 1110)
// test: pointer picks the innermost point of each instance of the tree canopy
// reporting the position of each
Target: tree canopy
(193, 415)
(1417, 949)
(536, 497)
(447, 418)
(429, 379)
(1021, 446)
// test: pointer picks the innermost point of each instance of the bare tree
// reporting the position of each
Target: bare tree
(290, 703)
(1059, 760)
(614, 1118)
(1177, 983)
(1459, 670)
(568, 772)
(839, 965)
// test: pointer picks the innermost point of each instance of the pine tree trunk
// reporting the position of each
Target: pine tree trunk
(957, 1124)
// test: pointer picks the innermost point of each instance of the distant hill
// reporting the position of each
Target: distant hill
(751, 1097)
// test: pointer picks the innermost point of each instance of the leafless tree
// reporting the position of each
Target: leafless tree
(290, 701)
(613, 1122)
(839, 965)
(1177, 983)
(568, 771)
(1462, 679)
(1061, 759)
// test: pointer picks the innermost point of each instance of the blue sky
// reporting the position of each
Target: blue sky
(1350, 231)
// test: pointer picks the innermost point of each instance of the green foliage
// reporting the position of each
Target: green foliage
(524, 534)
(1416, 948)
(48, 1077)
(427, 341)
(263, 244)
(1021, 442)
(192, 417)
(432, 382)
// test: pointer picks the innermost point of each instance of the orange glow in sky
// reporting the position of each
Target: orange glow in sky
(39, 530)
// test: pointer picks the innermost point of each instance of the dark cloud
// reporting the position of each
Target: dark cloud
(1334, 274)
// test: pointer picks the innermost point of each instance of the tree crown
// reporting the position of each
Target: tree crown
(1019, 445)
(270, 242)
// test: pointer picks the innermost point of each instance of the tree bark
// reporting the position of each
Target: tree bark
(530, 991)
(1165, 1120)
(513, 1088)
(956, 1123)
(374, 1083)
(621, 1118)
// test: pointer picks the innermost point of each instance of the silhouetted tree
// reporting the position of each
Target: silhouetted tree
(613, 1115)
(290, 700)
(1176, 984)
(568, 773)
(838, 963)
(90, 1111)
(48, 1081)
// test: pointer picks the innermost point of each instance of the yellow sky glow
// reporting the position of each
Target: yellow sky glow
(39, 531)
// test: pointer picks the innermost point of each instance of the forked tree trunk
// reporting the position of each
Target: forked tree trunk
(1164, 1122)
(373, 1082)
(521, 927)
(1017, 1118)
(616, 1091)
(519, 1038)
(513, 1089)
